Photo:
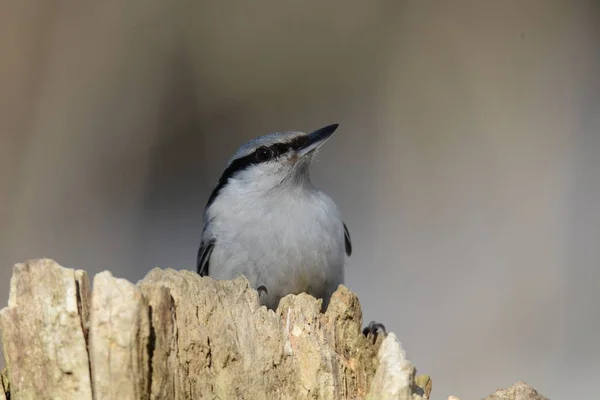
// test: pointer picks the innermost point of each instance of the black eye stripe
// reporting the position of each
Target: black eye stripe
(299, 142)
(242, 163)
(236, 165)
(282, 148)
(263, 154)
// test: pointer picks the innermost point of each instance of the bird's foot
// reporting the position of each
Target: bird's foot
(373, 329)
(262, 289)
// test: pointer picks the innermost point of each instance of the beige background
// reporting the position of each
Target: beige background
(466, 164)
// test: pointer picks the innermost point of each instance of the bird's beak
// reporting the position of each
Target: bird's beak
(317, 139)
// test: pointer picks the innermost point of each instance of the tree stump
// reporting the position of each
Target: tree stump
(176, 335)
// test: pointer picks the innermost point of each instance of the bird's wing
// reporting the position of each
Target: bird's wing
(348, 241)
(206, 247)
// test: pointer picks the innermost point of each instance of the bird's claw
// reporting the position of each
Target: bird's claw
(262, 289)
(373, 329)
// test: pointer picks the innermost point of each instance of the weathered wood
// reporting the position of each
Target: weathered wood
(240, 349)
(176, 335)
(518, 391)
(42, 333)
(4, 384)
(395, 376)
(162, 348)
(118, 340)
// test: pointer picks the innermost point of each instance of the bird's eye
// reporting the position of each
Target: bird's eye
(263, 154)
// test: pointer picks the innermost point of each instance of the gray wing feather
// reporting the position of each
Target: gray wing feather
(204, 252)
(348, 241)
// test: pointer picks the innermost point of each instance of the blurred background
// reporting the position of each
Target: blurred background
(466, 164)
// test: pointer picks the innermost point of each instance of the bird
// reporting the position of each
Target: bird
(266, 220)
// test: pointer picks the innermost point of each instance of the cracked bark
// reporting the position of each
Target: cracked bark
(176, 335)
(44, 344)
(119, 339)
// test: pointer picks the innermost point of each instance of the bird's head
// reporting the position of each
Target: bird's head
(273, 160)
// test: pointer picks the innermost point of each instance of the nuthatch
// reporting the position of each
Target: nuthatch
(265, 220)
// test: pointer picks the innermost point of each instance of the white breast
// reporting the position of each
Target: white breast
(289, 241)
